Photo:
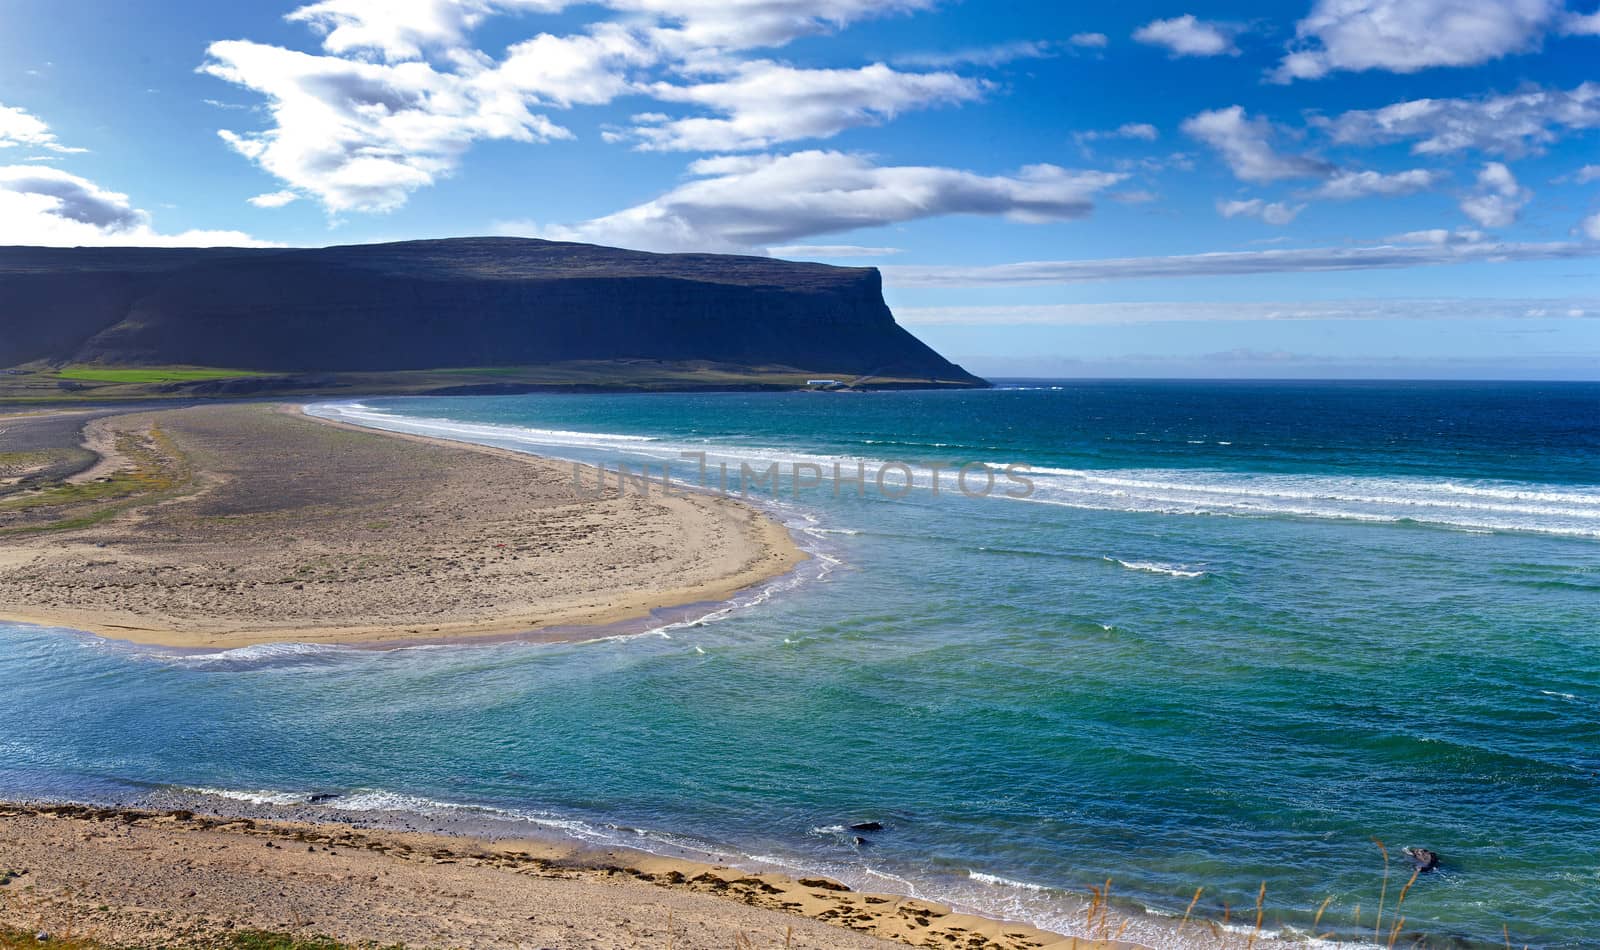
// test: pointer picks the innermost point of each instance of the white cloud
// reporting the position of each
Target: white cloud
(756, 201)
(49, 207)
(1439, 236)
(273, 199)
(1580, 24)
(1501, 124)
(1141, 131)
(1591, 227)
(1234, 263)
(766, 103)
(1134, 313)
(1090, 40)
(21, 127)
(1349, 184)
(1587, 174)
(1405, 36)
(396, 29)
(1275, 212)
(1187, 36)
(752, 24)
(1497, 200)
(996, 55)
(362, 136)
(832, 251)
(1246, 144)
(585, 68)
(400, 94)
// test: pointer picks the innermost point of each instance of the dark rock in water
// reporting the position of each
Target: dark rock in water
(867, 826)
(321, 797)
(860, 841)
(1424, 859)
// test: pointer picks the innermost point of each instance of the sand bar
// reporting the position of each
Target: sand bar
(226, 526)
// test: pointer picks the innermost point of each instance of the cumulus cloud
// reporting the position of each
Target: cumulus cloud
(1275, 212)
(362, 136)
(1187, 36)
(50, 207)
(1591, 227)
(765, 103)
(1514, 124)
(399, 29)
(1246, 144)
(1498, 199)
(757, 201)
(1587, 174)
(399, 94)
(21, 127)
(1235, 263)
(1350, 184)
(1090, 40)
(1406, 36)
(752, 24)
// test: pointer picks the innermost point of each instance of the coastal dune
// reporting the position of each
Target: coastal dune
(228, 526)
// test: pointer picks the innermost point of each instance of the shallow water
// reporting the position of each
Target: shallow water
(1235, 632)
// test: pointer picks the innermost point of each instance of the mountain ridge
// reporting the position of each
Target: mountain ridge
(459, 302)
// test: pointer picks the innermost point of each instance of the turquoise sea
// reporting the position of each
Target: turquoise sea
(1233, 633)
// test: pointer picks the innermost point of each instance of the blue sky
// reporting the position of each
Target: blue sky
(1389, 188)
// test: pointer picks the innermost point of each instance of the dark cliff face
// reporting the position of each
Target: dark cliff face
(455, 303)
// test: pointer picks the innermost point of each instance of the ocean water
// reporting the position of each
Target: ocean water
(1232, 634)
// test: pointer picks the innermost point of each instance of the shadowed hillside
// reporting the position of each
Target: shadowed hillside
(475, 302)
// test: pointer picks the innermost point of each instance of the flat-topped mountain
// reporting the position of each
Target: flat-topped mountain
(462, 303)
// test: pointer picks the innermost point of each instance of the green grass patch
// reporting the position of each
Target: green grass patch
(158, 470)
(149, 374)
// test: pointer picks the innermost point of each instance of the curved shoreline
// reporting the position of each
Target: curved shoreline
(665, 553)
(175, 873)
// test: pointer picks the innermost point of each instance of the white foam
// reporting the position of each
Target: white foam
(1467, 505)
(257, 797)
(999, 881)
(1481, 506)
(257, 655)
(1153, 567)
(1052, 909)
(360, 414)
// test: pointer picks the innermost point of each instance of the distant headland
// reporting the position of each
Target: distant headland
(467, 315)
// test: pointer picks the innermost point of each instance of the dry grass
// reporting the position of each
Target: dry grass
(1098, 923)
(154, 469)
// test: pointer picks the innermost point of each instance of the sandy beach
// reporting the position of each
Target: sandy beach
(129, 877)
(227, 526)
